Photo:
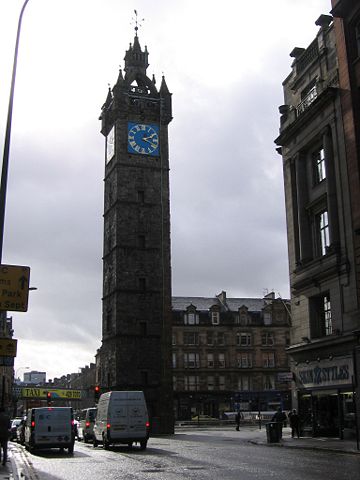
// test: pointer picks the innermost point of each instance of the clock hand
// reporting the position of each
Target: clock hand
(148, 140)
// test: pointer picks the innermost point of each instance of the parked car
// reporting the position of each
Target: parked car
(14, 425)
(20, 431)
(86, 422)
(203, 418)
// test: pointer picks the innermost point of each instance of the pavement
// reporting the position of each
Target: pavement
(307, 443)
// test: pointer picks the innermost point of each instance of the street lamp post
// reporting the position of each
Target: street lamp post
(5, 165)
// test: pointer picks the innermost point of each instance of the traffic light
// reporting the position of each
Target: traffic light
(96, 393)
(48, 398)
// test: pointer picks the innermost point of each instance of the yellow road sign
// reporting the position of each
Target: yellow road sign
(66, 394)
(14, 287)
(8, 347)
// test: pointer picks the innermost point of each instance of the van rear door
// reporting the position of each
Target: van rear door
(51, 424)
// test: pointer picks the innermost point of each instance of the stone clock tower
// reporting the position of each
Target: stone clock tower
(136, 326)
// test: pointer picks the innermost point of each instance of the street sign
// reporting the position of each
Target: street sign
(14, 288)
(6, 361)
(8, 347)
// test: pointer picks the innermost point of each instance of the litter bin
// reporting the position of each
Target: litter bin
(272, 432)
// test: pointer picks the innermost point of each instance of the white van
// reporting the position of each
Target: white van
(122, 417)
(50, 427)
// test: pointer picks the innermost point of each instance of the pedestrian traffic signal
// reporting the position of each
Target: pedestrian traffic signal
(48, 398)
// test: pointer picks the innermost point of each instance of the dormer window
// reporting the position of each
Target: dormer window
(215, 317)
(242, 316)
(191, 317)
(267, 318)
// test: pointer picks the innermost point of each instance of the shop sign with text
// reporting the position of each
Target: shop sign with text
(325, 373)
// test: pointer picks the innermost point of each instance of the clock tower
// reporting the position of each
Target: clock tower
(136, 323)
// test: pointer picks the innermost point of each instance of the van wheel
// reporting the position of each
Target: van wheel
(143, 445)
(106, 443)
(95, 443)
(71, 449)
(86, 439)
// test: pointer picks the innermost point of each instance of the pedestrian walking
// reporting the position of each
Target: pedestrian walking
(294, 421)
(279, 417)
(237, 420)
(5, 426)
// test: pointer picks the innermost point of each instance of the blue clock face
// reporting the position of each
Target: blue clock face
(143, 139)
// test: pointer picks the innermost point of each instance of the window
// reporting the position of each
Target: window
(242, 318)
(174, 360)
(209, 338)
(268, 382)
(141, 241)
(191, 317)
(221, 360)
(308, 95)
(142, 284)
(191, 360)
(221, 382)
(174, 338)
(220, 338)
(320, 316)
(268, 359)
(244, 360)
(243, 339)
(143, 328)
(243, 382)
(327, 315)
(175, 383)
(215, 317)
(319, 166)
(322, 229)
(191, 338)
(141, 196)
(192, 382)
(267, 339)
(210, 360)
(267, 318)
(210, 383)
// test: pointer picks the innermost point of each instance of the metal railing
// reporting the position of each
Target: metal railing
(307, 101)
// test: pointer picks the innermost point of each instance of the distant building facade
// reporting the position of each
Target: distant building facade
(322, 240)
(229, 354)
(34, 378)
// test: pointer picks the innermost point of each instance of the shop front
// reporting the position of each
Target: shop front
(326, 397)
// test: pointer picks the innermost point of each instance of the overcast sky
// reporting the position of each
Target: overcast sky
(224, 61)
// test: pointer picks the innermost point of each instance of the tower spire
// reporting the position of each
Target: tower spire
(138, 23)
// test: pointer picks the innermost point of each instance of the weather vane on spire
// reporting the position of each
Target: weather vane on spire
(135, 21)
